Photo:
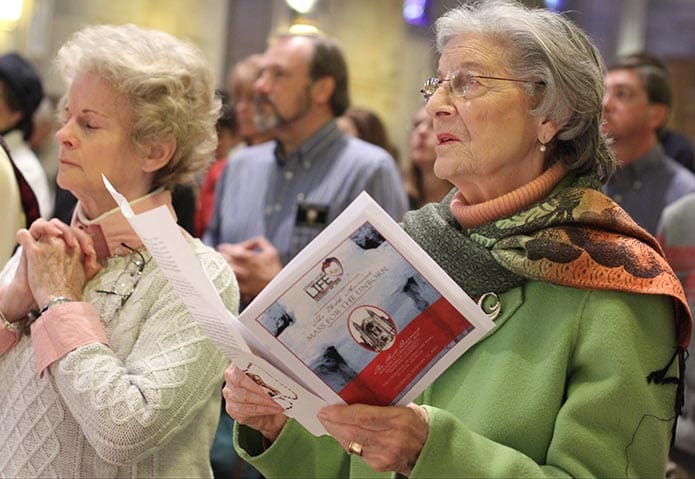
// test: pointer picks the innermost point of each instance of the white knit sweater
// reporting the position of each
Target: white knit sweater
(147, 406)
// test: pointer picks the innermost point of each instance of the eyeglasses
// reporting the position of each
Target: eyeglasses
(461, 83)
(128, 279)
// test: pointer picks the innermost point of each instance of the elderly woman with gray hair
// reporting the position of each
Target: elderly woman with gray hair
(104, 372)
(580, 375)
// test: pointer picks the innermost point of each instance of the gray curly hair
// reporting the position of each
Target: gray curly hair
(564, 67)
(169, 86)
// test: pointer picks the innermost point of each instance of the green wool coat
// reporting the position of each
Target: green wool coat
(557, 389)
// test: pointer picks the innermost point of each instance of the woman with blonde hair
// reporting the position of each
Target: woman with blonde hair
(104, 371)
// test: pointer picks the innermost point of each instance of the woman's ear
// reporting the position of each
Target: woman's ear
(158, 153)
(547, 129)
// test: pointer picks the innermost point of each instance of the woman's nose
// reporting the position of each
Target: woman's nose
(439, 104)
(64, 137)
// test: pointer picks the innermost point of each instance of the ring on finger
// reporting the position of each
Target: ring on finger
(355, 448)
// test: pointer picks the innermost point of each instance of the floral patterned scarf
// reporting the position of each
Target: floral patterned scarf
(575, 237)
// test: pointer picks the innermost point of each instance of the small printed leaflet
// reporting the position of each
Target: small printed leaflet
(361, 315)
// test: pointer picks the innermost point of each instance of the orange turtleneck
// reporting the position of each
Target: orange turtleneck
(470, 216)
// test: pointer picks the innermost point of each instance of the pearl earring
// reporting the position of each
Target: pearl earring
(542, 148)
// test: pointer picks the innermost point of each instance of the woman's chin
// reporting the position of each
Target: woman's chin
(444, 168)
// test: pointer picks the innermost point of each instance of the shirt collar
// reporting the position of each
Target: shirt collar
(311, 148)
(111, 229)
(652, 158)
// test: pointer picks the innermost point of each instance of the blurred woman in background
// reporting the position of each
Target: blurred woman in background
(421, 184)
(366, 125)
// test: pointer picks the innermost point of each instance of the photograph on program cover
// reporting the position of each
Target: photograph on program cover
(364, 320)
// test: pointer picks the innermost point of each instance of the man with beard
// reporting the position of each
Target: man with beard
(273, 198)
(636, 107)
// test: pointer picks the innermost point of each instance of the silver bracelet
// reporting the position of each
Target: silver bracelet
(55, 301)
(16, 327)
(36, 314)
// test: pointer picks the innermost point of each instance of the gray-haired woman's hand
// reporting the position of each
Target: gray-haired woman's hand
(248, 404)
(387, 438)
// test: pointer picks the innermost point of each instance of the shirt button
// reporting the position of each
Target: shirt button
(278, 207)
(300, 197)
(637, 185)
(288, 175)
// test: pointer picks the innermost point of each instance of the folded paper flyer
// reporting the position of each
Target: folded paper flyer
(361, 315)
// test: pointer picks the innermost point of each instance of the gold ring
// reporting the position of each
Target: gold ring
(355, 448)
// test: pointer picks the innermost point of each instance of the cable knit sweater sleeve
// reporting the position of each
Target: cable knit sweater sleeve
(136, 396)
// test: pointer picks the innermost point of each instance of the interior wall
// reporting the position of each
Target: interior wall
(388, 59)
(47, 24)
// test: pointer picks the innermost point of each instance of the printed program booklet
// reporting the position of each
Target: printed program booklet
(361, 315)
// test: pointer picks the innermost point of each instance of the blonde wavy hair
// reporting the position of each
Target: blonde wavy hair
(169, 86)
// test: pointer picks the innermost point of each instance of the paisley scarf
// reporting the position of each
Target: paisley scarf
(576, 236)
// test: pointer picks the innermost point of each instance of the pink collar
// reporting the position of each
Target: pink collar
(111, 229)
